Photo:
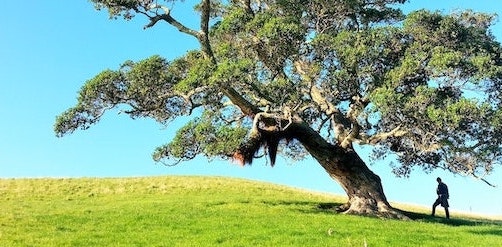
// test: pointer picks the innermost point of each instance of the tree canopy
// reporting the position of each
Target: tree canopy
(425, 85)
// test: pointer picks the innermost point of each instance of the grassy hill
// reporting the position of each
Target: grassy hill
(208, 211)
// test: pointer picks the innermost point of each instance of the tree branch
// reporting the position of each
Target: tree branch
(169, 19)
(340, 122)
(237, 99)
(203, 37)
(374, 139)
(484, 180)
(159, 6)
(247, 6)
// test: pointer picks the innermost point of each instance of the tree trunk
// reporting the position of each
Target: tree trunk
(363, 187)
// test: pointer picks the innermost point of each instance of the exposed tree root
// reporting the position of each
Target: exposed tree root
(381, 211)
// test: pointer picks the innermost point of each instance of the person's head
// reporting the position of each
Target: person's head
(438, 179)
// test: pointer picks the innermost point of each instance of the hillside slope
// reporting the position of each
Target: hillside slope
(206, 211)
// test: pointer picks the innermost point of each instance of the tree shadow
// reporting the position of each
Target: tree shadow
(333, 208)
(322, 208)
(329, 207)
(424, 217)
(308, 207)
(497, 232)
(287, 203)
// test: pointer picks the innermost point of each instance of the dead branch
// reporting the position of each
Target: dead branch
(268, 129)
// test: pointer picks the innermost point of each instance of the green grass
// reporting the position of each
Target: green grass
(208, 211)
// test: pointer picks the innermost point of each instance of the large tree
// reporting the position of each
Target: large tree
(299, 77)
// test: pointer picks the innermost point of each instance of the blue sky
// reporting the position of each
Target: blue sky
(48, 49)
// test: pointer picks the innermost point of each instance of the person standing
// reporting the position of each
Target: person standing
(443, 196)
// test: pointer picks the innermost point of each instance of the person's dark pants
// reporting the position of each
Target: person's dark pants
(443, 201)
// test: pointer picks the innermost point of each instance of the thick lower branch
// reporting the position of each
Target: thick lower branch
(237, 99)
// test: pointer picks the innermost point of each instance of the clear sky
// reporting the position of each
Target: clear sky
(48, 49)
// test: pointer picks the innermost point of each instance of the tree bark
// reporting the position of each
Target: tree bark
(363, 187)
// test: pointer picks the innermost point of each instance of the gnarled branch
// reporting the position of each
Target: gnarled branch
(339, 121)
(374, 139)
(169, 19)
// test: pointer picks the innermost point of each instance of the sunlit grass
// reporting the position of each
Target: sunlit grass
(207, 211)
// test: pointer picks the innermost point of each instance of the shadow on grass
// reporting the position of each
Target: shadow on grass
(331, 208)
(288, 203)
(322, 208)
(497, 232)
(453, 221)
